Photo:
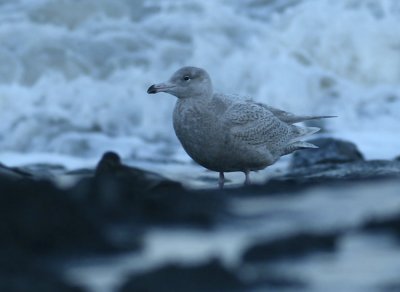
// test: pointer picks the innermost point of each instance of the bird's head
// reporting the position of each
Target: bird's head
(187, 82)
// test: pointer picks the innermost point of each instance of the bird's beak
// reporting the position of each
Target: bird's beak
(160, 87)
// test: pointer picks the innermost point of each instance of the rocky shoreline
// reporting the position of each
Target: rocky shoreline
(110, 211)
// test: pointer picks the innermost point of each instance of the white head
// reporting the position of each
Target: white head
(187, 82)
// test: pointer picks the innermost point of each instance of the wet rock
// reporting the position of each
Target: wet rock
(38, 219)
(291, 246)
(332, 151)
(23, 276)
(81, 172)
(198, 209)
(335, 162)
(211, 276)
(350, 171)
(119, 192)
(281, 282)
(120, 199)
(13, 173)
(390, 224)
(390, 287)
(43, 171)
(110, 166)
(32, 171)
(37, 222)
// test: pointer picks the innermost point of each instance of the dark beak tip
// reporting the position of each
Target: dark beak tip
(152, 90)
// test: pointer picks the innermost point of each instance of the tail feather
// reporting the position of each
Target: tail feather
(291, 118)
(301, 132)
(304, 145)
(297, 146)
(297, 119)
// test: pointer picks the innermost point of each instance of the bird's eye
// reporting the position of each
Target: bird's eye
(186, 78)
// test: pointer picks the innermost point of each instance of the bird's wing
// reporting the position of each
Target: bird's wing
(254, 124)
(289, 117)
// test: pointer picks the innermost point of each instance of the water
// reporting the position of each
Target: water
(74, 74)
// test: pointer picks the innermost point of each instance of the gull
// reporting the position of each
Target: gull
(224, 133)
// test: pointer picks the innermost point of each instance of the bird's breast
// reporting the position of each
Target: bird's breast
(199, 132)
(193, 124)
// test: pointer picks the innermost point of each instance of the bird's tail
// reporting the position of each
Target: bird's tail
(298, 133)
(301, 132)
(297, 146)
(297, 119)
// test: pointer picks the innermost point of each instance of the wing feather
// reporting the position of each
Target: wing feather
(291, 118)
(255, 124)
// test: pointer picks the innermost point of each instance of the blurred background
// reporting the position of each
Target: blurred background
(74, 73)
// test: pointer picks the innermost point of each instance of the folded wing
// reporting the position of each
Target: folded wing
(291, 118)
(255, 124)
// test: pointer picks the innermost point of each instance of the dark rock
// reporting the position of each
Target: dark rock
(81, 172)
(38, 219)
(211, 276)
(13, 173)
(23, 276)
(390, 287)
(32, 171)
(199, 209)
(41, 224)
(43, 171)
(119, 199)
(110, 166)
(275, 187)
(290, 246)
(329, 175)
(351, 171)
(119, 192)
(330, 151)
(281, 282)
(335, 162)
(391, 224)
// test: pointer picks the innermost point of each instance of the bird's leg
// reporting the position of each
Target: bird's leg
(221, 180)
(247, 179)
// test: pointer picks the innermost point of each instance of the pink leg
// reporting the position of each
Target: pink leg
(247, 179)
(221, 180)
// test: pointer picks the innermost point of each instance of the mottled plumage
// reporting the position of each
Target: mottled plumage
(226, 134)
